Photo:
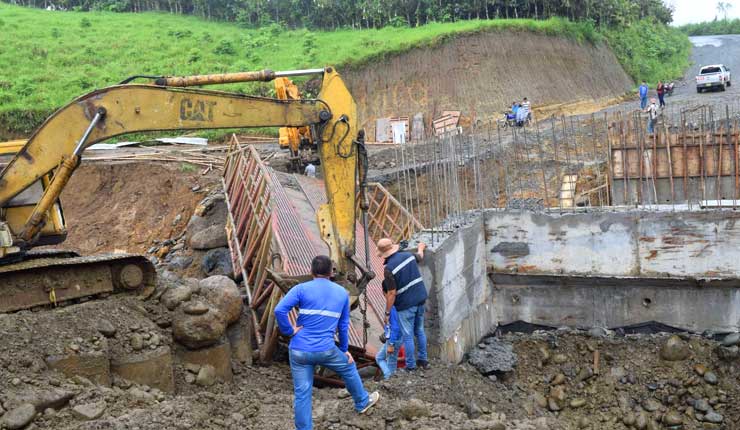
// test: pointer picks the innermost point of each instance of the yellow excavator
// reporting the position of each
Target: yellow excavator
(296, 140)
(32, 181)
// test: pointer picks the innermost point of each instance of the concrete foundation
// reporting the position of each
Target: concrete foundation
(152, 368)
(582, 270)
(95, 367)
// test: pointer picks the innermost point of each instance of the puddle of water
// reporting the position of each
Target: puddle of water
(700, 41)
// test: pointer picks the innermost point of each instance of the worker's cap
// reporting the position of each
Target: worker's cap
(386, 248)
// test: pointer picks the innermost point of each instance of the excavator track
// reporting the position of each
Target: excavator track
(57, 278)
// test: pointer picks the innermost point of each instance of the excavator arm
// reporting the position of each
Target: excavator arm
(54, 151)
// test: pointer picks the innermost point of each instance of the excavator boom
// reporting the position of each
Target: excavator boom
(30, 184)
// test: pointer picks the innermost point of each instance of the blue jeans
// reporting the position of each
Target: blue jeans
(388, 362)
(651, 125)
(643, 102)
(411, 321)
(303, 365)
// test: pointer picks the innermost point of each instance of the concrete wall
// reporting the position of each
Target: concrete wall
(583, 270)
(458, 309)
(694, 244)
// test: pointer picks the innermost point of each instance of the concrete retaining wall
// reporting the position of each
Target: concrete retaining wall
(459, 292)
(588, 269)
(677, 244)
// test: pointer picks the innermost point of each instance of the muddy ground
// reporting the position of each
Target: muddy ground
(630, 382)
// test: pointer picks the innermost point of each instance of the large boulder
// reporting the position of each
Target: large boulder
(222, 293)
(198, 331)
(674, 349)
(203, 322)
(207, 227)
(218, 262)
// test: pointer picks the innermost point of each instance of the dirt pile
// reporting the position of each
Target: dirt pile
(126, 206)
(481, 74)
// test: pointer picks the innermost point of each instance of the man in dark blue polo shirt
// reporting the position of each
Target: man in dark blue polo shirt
(323, 307)
(407, 293)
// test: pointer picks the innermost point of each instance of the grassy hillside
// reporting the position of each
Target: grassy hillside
(48, 58)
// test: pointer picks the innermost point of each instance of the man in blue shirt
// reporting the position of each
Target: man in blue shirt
(323, 307)
(643, 95)
(407, 293)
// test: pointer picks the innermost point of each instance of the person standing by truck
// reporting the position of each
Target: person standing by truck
(643, 95)
(660, 89)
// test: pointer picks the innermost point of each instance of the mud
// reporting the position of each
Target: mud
(124, 207)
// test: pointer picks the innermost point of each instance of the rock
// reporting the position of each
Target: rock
(577, 403)
(710, 378)
(206, 229)
(414, 408)
(472, 410)
(540, 400)
(209, 238)
(584, 374)
(701, 405)
(137, 342)
(713, 417)
(89, 411)
(15, 382)
(553, 405)
(193, 367)
(180, 262)
(672, 418)
(496, 356)
(190, 378)
(558, 379)
(728, 354)
(19, 417)
(342, 393)
(172, 298)
(545, 353)
(154, 341)
(106, 328)
(222, 293)
(629, 419)
(218, 262)
(597, 332)
(583, 423)
(140, 395)
(700, 369)
(559, 358)
(641, 421)
(195, 308)
(674, 349)
(198, 331)
(731, 339)
(651, 405)
(55, 399)
(206, 376)
(558, 393)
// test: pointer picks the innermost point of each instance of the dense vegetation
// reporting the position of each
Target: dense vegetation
(718, 26)
(649, 51)
(334, 14)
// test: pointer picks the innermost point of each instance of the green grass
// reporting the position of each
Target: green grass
(48, 58)
(650, 51)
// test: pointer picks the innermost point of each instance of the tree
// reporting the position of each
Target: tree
(723, 7)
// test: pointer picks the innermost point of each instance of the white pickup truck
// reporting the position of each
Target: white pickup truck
(714, 76)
